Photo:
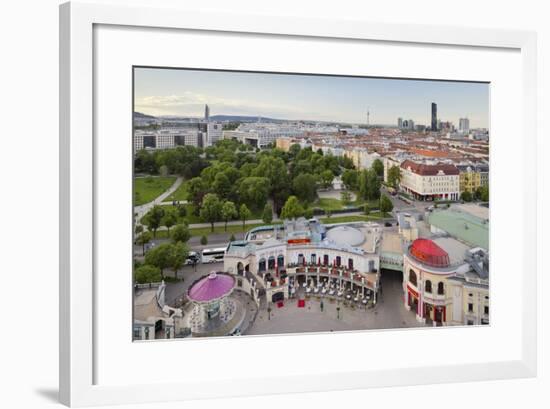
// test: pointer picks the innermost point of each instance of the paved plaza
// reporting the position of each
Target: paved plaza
(388, 312)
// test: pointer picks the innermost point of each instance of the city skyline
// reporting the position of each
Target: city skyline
(183, 92)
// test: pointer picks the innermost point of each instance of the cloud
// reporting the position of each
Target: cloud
(192, 104)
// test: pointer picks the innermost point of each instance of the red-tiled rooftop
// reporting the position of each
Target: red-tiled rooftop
(430, 170)
(429, 253)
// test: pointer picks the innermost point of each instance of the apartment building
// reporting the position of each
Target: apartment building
(430, 182)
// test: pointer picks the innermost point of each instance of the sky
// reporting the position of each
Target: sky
(309, 97)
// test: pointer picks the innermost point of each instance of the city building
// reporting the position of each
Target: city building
(464, 125)
(471, 290)
(405, 124)
(206, 113)
(360, 157)
(430, 182)
(334, 259)
(153, 318)
(434, 117)
(472, 177)
(427, 268)
(214, 133)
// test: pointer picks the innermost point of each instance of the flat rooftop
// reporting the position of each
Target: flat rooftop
(464, 226)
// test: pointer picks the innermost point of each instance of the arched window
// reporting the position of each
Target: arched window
(428, 286)
(440, 288)
(412, 277)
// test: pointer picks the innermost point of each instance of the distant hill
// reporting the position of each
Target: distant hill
(243, 118)
(139, 115)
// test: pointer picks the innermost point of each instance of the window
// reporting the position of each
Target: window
(137, 333)
(470, 307)
(313, 258)
(440, 288)
(412, 277)
(428, 286)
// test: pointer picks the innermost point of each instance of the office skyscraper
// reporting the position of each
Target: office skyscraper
(434, 116)
(206, 113)
(464, 125)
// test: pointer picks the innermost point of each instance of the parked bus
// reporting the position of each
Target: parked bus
(193, 258)
(213, 255)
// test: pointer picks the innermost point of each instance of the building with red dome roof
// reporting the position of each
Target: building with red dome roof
(426, 268)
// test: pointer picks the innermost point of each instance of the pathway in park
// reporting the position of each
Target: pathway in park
(140, 211)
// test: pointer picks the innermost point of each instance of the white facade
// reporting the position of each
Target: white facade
(440, 185)
(214, 133)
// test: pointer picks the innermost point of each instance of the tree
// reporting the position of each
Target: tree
(222, 185)
(304, 187)
(350, 178)
(394, 176)
(267, 215)
(466, 196)
(484, 193)
(276, 171)
(369, 185)
(182, 211)
(254, 191)
(326, 178)
(308, 213)
(159, 256)
(232, 238)
(196, 189)
(147, 274)
(180, 233)
(204, 240)
(345, 196)
(169, 220)
(244, 214)
(138, 229)
(292, 208)
(153, 219)
(178, 254)
(211, 209)
(229, 211)
(143, 239)
(386, 205)
(378, 167)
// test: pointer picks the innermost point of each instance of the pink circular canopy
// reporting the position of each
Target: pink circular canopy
(211, 287)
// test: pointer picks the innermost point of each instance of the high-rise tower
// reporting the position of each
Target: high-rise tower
(206, 113)
(434, 116)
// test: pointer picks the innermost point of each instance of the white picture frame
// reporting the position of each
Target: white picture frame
(78, 386)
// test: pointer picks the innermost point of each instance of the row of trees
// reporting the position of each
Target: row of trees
(171, 254)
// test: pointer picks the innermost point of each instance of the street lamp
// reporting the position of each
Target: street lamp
(269, 312)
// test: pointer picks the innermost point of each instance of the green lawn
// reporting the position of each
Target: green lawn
(336, 204)
(147, 189)
(179, 194)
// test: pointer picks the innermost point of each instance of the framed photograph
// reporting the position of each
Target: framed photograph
(256, 204)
